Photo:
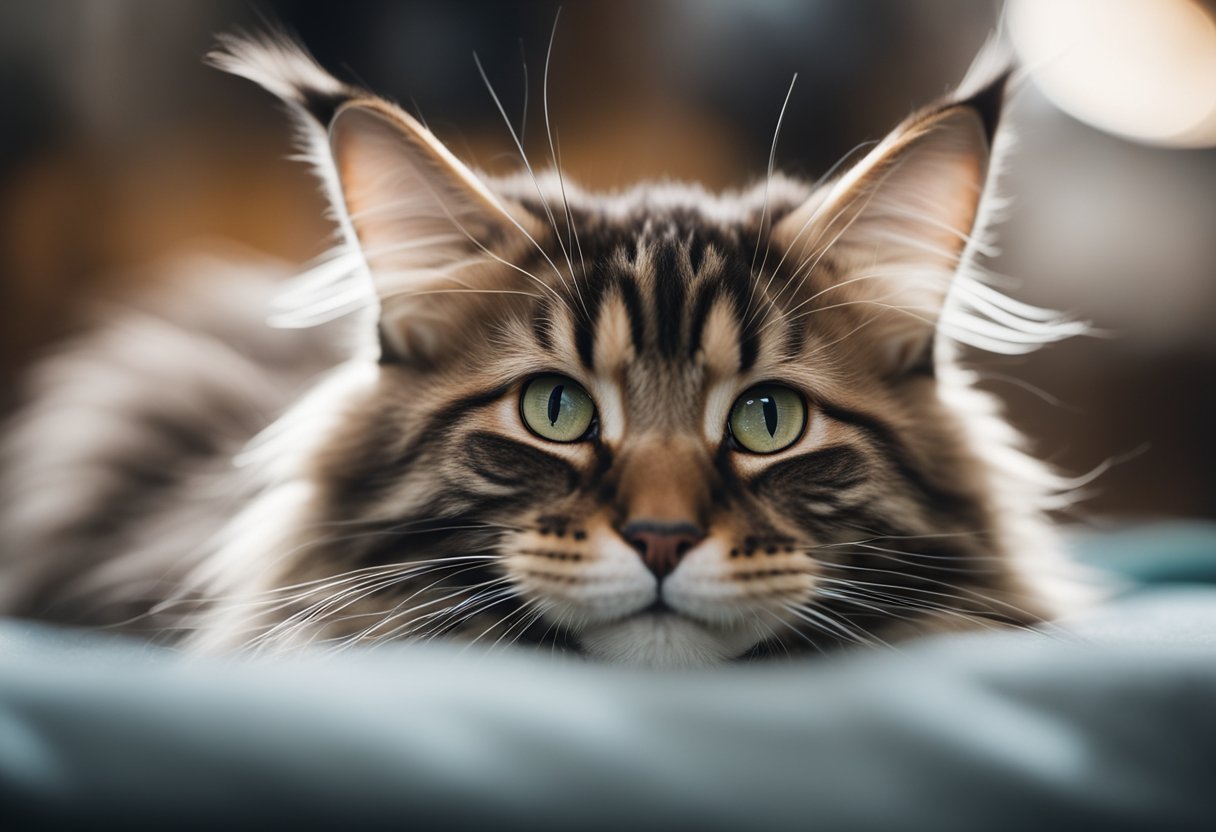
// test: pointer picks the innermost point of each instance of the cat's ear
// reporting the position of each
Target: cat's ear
(896, 226)
(435, 239)
(427, 226)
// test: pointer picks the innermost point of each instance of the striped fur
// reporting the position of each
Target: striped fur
(403, 497)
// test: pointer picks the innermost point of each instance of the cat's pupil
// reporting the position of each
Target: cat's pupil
(555, 404)
(770, 414)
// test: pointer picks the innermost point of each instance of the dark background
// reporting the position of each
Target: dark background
(118, 147)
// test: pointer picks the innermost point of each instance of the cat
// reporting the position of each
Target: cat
(661, 426)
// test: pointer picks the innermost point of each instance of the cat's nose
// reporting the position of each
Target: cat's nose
(661, 544)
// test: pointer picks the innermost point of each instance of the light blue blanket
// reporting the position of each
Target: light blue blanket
(1110, 726)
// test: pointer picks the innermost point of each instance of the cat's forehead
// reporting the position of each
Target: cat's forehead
(662, 307)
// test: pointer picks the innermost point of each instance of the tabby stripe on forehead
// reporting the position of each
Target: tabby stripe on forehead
(734, 282)
(738, 281)
(632, 299)
(669, 293)
(696, 251)
(587, 312)
(707, 293)
(606, 278)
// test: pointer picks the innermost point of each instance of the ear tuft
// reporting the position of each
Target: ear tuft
(989, 102)
(285, 69)
(986, 85)
(338, 285)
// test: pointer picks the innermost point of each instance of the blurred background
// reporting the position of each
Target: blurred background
(118, 147)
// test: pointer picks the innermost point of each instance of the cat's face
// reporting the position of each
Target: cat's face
(663, 426)
(674, 469)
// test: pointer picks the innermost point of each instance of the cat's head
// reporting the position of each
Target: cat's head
(663, 425)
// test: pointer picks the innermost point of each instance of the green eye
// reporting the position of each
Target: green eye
(767, 418)
(557, 408)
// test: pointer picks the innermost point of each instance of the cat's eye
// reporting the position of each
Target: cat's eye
(767, 418)
(557, 408)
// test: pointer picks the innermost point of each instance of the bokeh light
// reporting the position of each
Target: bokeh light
(1142, 69)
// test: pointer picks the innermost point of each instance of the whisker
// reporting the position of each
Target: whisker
(440, 618)
(524, 613)
(396, 612)
(326, 606)
(532, 174)
(523, 119)
(976, 618)
(815, 254)
(450, 623)
(988, 603)
(557, 166)
(277, 598)
(825, 621)
(760, 234)
(402, 530)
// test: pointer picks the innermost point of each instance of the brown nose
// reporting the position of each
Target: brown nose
(661, 545)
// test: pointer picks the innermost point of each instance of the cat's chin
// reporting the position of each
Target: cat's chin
(663, 639)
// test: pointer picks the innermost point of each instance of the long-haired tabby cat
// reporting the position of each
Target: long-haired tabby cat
(663, 426)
